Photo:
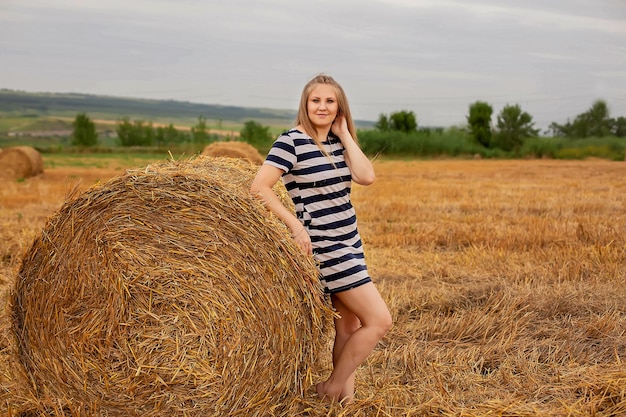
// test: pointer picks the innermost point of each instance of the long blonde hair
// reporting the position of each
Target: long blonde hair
(302, 118)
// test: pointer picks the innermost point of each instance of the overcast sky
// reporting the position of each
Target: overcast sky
(433, 57)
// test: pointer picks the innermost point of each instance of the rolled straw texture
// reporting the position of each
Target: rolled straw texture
(234, 150)
(169, 291)
(20, 162)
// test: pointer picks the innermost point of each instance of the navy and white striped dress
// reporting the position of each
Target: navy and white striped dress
(321, 194)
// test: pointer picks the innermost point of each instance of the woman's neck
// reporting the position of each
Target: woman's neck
(322, 133)
(319, 134)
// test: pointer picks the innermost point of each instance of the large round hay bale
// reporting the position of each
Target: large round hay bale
(234, 149)
(169, 291)
(20, 162)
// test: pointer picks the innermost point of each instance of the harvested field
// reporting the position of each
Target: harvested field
(505, 280)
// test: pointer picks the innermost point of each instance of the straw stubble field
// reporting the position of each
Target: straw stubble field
(505, 280)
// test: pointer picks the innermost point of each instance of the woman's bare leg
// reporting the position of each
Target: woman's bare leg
(345, 326)
(365, 303)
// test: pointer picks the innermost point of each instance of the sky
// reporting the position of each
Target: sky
(553, 58)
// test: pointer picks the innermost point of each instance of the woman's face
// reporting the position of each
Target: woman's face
(322, 106)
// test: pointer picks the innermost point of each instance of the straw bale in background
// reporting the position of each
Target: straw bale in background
(234, 150)
(169, 291)
(20, 162)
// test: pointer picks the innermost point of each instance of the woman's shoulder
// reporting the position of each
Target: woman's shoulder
(295, 135)
(294, 132)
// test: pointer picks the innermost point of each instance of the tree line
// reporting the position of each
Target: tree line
(141, 133)
(591, 133)
(513, 125)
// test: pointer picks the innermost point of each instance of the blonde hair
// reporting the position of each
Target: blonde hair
(302, 118)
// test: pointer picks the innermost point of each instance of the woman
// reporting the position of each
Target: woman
(317, 161)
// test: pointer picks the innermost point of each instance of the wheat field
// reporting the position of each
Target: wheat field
(506, 281)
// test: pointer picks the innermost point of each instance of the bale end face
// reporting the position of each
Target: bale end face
(169, 291)
(20, 162)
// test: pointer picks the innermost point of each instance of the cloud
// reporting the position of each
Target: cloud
(431, 56)
(537, 14)
(553, 57)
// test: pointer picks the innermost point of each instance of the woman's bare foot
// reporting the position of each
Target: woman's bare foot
(346, 399)
(320, 391)
(327, 395)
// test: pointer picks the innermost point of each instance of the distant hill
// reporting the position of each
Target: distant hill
(19, 103)
(26, 104)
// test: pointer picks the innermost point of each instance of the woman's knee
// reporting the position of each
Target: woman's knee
(382, 322)
(386, 323)
(366, 307)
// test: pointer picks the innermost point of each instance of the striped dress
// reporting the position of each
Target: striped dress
(321, 194)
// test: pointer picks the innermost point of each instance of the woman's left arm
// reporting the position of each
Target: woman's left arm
(361, 167)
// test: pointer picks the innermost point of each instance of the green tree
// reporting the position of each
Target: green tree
(134, 134)
(479, 123)
(403, 121)
(598, 119)
(159, 136)
(618, 127)
(126, 134)
(84, 131)
(383, 123)
(256, 134)
(148, 134)
(168, 135)
(513, 127)
(594, 122)
(556, 130)
(200, 131)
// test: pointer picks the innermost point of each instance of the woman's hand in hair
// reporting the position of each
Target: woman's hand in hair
(360, 166)
(340, 126)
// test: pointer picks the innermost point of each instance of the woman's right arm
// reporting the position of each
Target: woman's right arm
(265, 179)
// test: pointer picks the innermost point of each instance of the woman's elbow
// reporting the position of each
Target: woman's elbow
(256, 186)
(264, 180)
(367, 179)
